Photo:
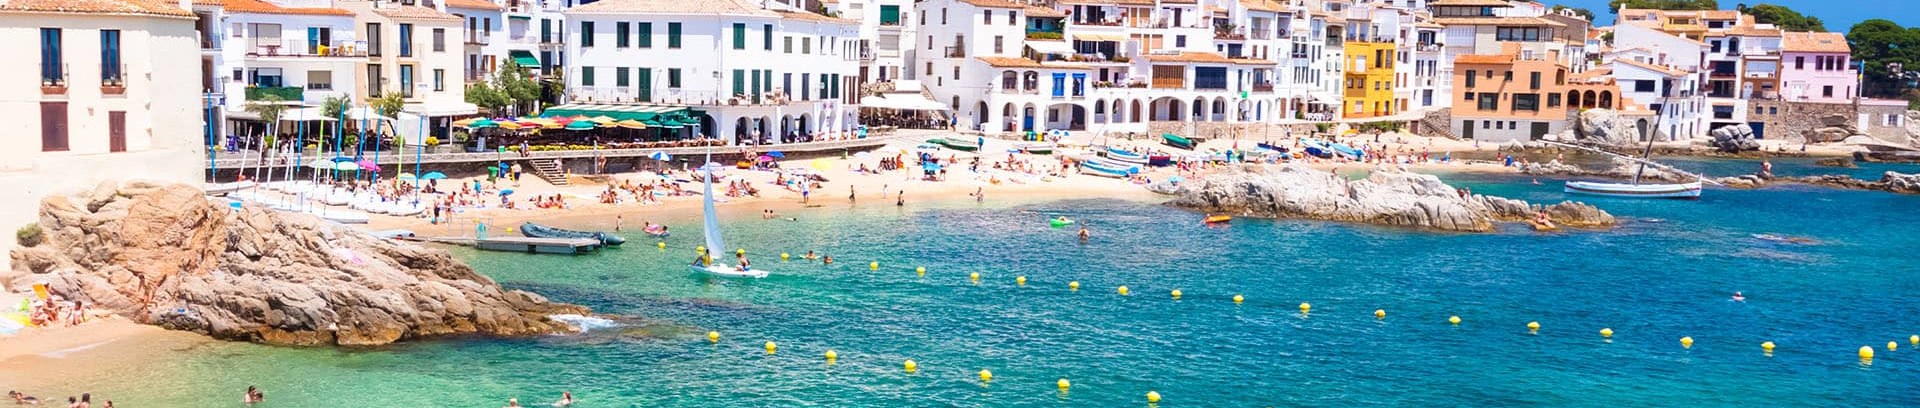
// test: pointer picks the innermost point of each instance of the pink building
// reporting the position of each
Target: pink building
(1815, 67)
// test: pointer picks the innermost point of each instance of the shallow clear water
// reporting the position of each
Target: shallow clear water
(1666, 273)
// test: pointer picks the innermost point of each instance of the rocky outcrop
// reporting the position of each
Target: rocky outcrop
(1889, 182)
(1599, 127)
(1833, 128)
(1620, 169)
(1733, 139)
(166, 255)
(1390, 198)
(1841, 162)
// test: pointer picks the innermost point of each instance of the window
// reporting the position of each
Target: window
(1507, 76)
(1470, 78)
(1826, 91)
(997, 47)
(406, 40)
(889, 15)
(620, 77)
(439, 80)
(1499, 125)
(739, 36)
(620, 39)
(1526, 102)
(265, 34)
(1773, 111)
(374, 79)
(788, 48)
(1517, 34)
(110, 58)
(673, 78)
(546, 31)
(586, 34)
(1179, 41)
(1799, 62)
(943, 16)
(646, 34)
(439, 40)
(1560, 77)
(956, 72)
(1553, 100)
(806, 45)
(1486, 124)
(739, 82)
(1467, 97)
(373, 39)
(406, 81)
(1489, 101)
(987, 17)
(767, 35)
(320, 80)
(1533, 78)
(673, 35)
(586, 76)
(1644, 85)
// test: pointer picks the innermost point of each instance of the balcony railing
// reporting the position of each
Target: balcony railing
(1428, 47)
(479, 39)
(1044, 35)
(1169, 83)
(285, 93)
(1266, 87)
(300, 48)
(1721, 74)
(956, 52)
(53, 80)
(1228, 35)
(1760, 75)
(1365, 39)
(1299, 55)
(684, 97)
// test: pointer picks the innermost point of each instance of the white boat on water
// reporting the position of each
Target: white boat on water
(1686, 191)
(711, 265)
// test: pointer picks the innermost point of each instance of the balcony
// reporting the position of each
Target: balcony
(1759, 75)
(284, 93)
(1169, 83)
(300, 48)
(1721, 74)
(113, 79)
(1298, 55)
(53, 80)
(479, 39)
(1429, 47)
(1044, 35)
(1228, 33)
(956, 52)
(1365, 39)
(1264, 87)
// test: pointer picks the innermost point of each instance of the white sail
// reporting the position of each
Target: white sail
(715, 246)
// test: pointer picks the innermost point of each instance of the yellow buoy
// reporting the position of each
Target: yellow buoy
(1237, 299)
(986, 375)
(1767, 347)
(832, 355)
(974, 276)
(1866, 352)
(1063, 384)
(713, 337)
(1123, 290)
(1176, 293)
(771, 347)
(1892, 345)
(1153, 396)
(1074, 285)
(911, 366)
(873, 265)
(1305, 307)
(784, 256)
(1533, 327)
(1022, 281)
(920, 270)
(663, 244)
(1914, 339)
(1453, 319)
(1686, 342)
(1379, 313)
(1605, 332)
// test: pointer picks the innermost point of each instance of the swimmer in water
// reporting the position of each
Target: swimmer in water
(1737, 297)
(810, 255)
(1536, 181)
(827, 260)
(1084, 235)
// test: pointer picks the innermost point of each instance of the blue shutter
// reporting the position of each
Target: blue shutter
(1059, 84)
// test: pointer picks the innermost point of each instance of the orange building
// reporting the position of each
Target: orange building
(1507, 96)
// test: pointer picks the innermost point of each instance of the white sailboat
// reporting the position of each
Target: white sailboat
(708, 263)
(1637, 189)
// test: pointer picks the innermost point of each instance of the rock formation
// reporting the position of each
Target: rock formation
(1386, 198)
(1889, 182)
(1601, 127)
(1733, 139)
(166, 255)
(1620, 169)
(1833, 128)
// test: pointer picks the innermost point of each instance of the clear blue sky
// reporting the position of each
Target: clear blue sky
(1837, 14)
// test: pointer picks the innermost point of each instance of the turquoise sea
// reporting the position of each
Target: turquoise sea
(1666, 273)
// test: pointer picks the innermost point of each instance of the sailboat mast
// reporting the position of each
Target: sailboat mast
(1665, 94)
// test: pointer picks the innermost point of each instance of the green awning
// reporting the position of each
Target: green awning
(648, 114)
(524, 58)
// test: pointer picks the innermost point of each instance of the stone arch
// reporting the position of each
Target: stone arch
(1199, 111)
(1573, 99)
(804, 124)
(980, 114)
(1219, 108)
(1606, 99)
(741, 128)
(1587, 100)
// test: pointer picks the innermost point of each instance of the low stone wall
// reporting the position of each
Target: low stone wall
(1787, 120)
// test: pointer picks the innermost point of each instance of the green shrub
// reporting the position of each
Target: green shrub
(29, 235)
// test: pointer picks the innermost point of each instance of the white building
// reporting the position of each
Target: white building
(414, 51)
(887, 37)
(736, 69)
(298, 54)
(102, 90)
(1666, 57)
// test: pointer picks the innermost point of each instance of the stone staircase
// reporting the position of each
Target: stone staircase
(1436, 124)
(549, 170)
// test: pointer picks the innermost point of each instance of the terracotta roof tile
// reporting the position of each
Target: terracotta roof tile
(414, 13)
(726, 7)
(1009, 62)
(1651, 67)
(261, 7)
(139, 7)
(1814, 42)
(803, 16)
(1046, 12)
(1489, 59)
(1263, 5)
(1252, 61)
(473, 4)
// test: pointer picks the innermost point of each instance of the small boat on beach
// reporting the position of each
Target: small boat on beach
(1039, 148)
(1685, 191)
(1125, 156)
(532, 230)
(1059, 222)
(1107, 169)
(1176, 141)
(1349, 151)
(1269, 146)
(955, 143)
(1316, 148)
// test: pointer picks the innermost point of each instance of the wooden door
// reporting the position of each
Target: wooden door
(53, 126)
(116, 131)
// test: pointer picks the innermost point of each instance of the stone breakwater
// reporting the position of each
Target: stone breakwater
(1391, 198)
(168, 256)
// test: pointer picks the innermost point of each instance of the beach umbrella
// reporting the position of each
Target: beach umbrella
(777, 154)
(506, 192)
(631, 124)
(433, 175)
(508, 125)
(482, 124)
(464, 122)
(368, 165)
(821, 164)
(661, 156)
(580, 125)
(405, 177)
(603, 119)
(346, 166)
(562, 120)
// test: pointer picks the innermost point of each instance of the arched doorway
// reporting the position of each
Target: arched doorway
(742, 128)
(1573, 99)
(1028, 116)
(1219, 110)
(1135, 111)
(1606, 99)
(1099, 111)
(1587, 100)
(1200, 109)
(803, 126)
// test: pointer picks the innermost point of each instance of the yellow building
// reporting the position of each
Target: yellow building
(1369, 78)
